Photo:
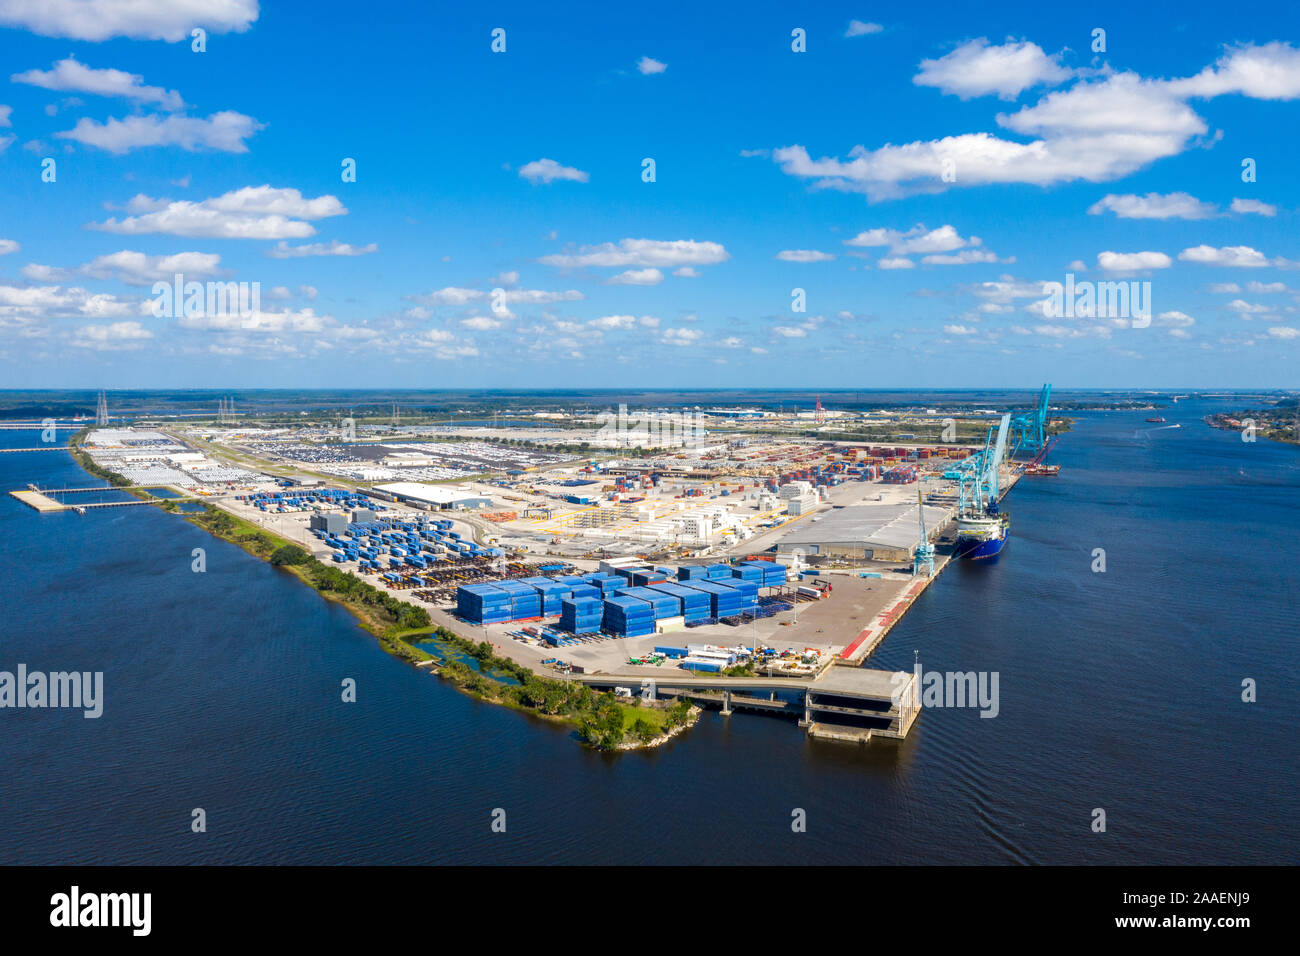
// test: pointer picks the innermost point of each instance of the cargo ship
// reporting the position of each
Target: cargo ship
(1157, 420)
(981, 536)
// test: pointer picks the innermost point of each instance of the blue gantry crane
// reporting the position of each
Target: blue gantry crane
(978, 476)
(923, 558)
(1029, 431)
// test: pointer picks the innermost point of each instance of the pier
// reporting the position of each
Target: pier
(41, 500)
(851, 704)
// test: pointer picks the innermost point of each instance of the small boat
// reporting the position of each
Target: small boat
(1156, 421)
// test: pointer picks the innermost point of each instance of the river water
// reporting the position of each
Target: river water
(1119, 691)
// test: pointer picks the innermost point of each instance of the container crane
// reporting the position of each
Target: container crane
(923, 558)
(1029, 431)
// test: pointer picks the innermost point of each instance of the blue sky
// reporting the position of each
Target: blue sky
(920, 171)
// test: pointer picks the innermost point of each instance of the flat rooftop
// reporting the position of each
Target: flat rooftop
(885, 525)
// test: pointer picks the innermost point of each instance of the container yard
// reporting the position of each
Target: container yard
(749, 558)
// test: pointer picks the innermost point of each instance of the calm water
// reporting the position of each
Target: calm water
(1118, 690)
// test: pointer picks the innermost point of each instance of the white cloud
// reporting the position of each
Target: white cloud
(1153, 206)
(803, 255)
(1253, 206)
(5, 112)
(224, 131)
(1094, 131)
(1284, 332)
(1266, 287)
(1268, 72)
(609, 323)
(1175, 319)
(302, 321)
(548, 171)
(1248, 308)
(1233, 256)
(112, 337)
(858, 28)
(283, 250)
(686, 272)
(642, 252)
(97, 20)
(456, 296)
(254, 212)
(790, 331)
(451, 295)
(939, 247)
(648, 66)
(1132, 261)
(480, 323)
(505, 278)
(961, 257)
(1225, 288)
(682, 336)
(8, 246)
(638, 277)
(136, 268)
(70, 76)
(977, 69)
(54, 301)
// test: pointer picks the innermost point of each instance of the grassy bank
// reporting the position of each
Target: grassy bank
(603, 720)
(380, 613)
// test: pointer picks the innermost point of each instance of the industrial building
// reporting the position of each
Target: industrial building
(331, 523)
(874, 532)
(431, 497)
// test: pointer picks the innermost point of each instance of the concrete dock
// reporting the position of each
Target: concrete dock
(844, 703)
(40, 502)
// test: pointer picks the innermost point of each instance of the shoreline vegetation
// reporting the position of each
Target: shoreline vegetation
(602, 721)
(1280, 423)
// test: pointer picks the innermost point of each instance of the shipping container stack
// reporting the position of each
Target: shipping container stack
(482, 603)
(748, 572)
(747, 590)
(628, 617)
(642, 579)
(552, 593)
(717, 572)
(691, 572)
(774, 574)
(581, 615)
(695, 604)
(664, 605)
(525, 601)
(607, 583)
(723, 601)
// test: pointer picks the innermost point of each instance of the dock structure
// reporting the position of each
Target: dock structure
(39, 501)
(844, 703)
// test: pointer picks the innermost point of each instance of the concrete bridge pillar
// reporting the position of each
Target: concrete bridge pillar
(726, 703)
